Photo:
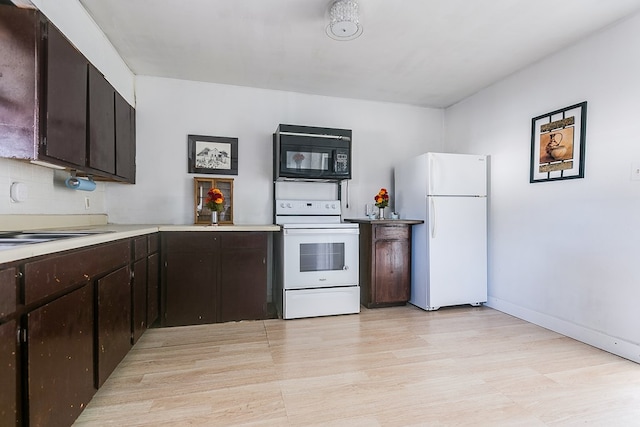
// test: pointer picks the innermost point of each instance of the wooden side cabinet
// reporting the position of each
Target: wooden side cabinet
(385, 262)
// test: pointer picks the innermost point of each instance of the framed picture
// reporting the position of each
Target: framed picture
(213, 154)
(557, 144)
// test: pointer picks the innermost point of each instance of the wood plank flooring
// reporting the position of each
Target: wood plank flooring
(397, 366)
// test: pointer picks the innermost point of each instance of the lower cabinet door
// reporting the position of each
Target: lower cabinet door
(243, 285)
(113, 322)
(139, 295)
(8, 372)
(60, 359)
(191, 289)
(153, 288)
(393, 265)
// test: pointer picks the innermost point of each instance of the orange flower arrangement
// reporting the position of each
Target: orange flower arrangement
(382, 198)
(215, 200)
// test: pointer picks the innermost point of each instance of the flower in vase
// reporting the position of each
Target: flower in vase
(382, 198)
(215, 200)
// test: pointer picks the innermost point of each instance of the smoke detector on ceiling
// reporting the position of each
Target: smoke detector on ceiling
(344, 21)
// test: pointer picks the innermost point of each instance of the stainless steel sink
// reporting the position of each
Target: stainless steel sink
(10, 239)
(44, 235)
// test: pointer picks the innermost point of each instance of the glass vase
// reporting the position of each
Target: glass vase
(380, 213)
(214, 217)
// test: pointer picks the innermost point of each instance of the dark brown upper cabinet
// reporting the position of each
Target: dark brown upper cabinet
(125, 139)
(102, 130)
(55, 107)
(64, 119)
(18, 82)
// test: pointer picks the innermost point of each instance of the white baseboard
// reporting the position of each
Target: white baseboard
(614, 345)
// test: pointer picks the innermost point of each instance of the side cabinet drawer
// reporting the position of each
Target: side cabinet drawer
(391, 232)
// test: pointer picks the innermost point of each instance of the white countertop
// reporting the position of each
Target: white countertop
(112, 232)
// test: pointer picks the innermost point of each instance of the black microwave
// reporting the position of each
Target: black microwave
(306, 153)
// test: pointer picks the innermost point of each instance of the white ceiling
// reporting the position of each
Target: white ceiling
(421, 52)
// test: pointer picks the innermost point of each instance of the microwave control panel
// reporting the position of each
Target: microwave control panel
(342, 162)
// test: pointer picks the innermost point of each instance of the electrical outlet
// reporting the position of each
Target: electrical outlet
(87, 205)
(635, 172)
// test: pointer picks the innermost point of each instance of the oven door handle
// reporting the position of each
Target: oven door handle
(317, 231)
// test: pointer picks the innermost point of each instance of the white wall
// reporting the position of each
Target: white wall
(565, 254)
(168, 110)
(47, 193)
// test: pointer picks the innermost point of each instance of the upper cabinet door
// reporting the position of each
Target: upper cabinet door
(125, 140)
(102, 138)
(18, 126)
(65, 116)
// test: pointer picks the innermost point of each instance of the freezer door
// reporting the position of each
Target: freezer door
(456, 174)
(457, 241)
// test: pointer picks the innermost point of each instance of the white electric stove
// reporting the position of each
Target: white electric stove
(317, 271)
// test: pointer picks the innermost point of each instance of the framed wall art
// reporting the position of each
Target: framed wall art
(558, 144)
(213, 154)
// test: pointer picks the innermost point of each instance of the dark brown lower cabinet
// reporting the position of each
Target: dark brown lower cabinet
(153, 288)
(190, 278)
(113, 295)
(243, 269)
(9, 414)
(66, 322)
(139, 295)
(60, 362)
(211, 277)
(145, 284)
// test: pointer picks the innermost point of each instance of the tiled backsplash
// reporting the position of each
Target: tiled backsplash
(47, 193)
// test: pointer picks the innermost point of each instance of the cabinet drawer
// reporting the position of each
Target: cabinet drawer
(55, 273)
(140, 247)
(391, 232)
(8, 292)
(244, 240)
(153, 242)
(186, 241)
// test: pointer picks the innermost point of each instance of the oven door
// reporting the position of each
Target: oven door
(315, 258)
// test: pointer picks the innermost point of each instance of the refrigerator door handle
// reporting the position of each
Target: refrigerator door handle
(430, 174)
(433, 218)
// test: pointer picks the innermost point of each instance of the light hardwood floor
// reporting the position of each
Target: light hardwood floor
(395, 366)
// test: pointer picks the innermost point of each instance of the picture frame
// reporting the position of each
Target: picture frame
(558, 144)
(212, 155)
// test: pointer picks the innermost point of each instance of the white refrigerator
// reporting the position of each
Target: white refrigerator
(449, 251)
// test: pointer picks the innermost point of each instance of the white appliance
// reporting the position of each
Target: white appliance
(449, 252)
(317, 270)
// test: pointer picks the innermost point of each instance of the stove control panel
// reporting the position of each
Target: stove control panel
(308, 207)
